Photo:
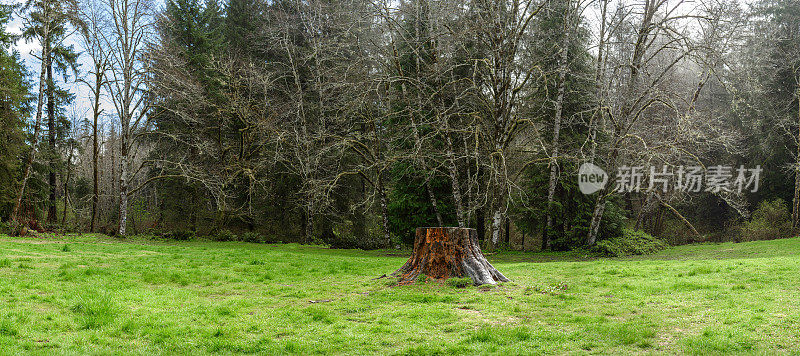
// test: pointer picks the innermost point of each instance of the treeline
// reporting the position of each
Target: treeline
(353, 122)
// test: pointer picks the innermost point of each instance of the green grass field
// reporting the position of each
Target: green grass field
(98, 295)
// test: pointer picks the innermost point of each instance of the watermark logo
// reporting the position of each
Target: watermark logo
(691, 179)
(591, 178)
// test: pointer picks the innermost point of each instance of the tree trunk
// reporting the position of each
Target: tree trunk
(451, 160)
(309, 226)
(559, 108)
(681, 218)
(432, 199)
(480, 223)
(123, 184)
(384, 211)
(796, 201)
(68, 175)
(597, 217)
(95, 170)
(643, 210)
(497, 222)
(36, 128)
(51, 134)
(448, 252)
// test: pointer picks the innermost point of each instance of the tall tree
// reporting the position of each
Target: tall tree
(96, 48)
(777, 25)
(14, 108)
(129, 34)
(42, 25)
(502, 28)
(60, 56)
(641, 102)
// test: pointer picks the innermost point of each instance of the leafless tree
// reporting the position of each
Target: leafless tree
(646, 99)
(95, 47)
(127, 38)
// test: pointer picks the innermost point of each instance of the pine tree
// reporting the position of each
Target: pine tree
(14, 109)
(54, 19)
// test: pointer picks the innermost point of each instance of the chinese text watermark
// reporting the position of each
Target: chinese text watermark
(714, 179)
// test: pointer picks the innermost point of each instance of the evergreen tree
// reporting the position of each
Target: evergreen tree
(14, 109)
(56, 18)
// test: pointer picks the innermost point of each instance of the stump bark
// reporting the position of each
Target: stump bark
(448, 252)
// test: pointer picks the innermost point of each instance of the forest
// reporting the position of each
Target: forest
(225, 177)
(349, 123)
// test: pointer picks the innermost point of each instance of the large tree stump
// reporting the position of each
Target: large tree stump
(448, 252)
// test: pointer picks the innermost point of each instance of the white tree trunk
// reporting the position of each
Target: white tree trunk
(796, 201)
(123, 191)
(597, 217)
(497, 225)
(384, 211)
(559, 108)
(432, 199)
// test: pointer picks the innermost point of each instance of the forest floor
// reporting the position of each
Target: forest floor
(93, 294)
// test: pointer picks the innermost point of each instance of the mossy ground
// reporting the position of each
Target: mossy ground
(92, 294)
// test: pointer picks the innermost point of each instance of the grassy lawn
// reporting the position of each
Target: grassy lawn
(97, 295)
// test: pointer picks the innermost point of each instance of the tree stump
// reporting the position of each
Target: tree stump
(448, 252)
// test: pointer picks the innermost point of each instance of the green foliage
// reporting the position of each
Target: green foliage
(253, 237)
(179, 235)
(241, 26)
(343, 238)
(771, 220)
(224, 235)
(14, 109)
(459, 282)
(572, 210)
(410, 206)
(631, 242)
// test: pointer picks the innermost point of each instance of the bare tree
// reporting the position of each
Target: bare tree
(502, 27)
(95, 47)
(127, 38)
(569, 29)
(646, 102)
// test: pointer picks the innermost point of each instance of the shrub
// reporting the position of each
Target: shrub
(224, 235)
(253, 237)
(5, 228)
(631, 242)
(771, 220)
(339, 240)
(180, 235)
